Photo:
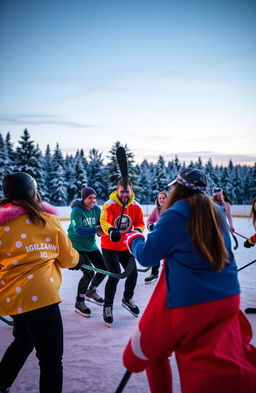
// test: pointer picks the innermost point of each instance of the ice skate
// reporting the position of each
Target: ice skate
(82, 309)
(151, 278)
(93, 297)
(108, 315)
(130, 306)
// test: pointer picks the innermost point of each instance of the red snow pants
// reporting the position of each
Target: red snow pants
(211, 342)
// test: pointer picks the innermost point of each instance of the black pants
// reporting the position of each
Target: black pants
(40, 329)
(155, 269)
(113, 260)
(91, 258)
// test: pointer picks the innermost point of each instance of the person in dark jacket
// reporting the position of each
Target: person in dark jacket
(84, 225)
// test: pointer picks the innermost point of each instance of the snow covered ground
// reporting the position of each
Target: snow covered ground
(93, 353)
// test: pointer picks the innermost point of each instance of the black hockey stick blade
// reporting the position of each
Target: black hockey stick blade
(248, 264)
(144, 270)
(236, 242)
(122, 163)
(250, 310)
(10, 323)
(130, 267)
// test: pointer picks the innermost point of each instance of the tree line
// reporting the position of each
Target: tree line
(60, 178)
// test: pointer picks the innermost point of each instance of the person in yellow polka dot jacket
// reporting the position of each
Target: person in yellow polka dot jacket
(33, 248)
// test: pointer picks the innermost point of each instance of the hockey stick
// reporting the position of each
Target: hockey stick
(123, 381)
(248, 264)
(241, 235)
(130, 267)
(10, 323)
(236, 242)
(144, 270)
(122, 163)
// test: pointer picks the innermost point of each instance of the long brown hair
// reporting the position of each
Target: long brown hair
(253, 213)
(33, 206)
(204, 223)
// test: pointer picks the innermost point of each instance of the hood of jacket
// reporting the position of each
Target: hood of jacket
(10, 212)
(77, 203)
(114, 197)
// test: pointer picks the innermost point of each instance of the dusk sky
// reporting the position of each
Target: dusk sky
(165, 77)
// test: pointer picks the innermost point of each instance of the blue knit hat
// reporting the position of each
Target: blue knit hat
(86, 191)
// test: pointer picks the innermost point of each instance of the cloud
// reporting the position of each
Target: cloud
(40, 119)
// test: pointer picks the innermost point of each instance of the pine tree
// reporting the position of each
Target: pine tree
(144, 194)
(11, 155)
(58, 185)
(160, 177)
(237, 192)
(3, 162)
(80, 174)
(28, 158)
(46, 171)
(113, 174)
(252, 183)
(70, 176)
(96, 175)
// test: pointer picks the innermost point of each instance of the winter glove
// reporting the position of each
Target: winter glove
(80, 262)
(150, 226)
(138, 229)
(98, 230)
(249, 243)
(114, 235)
(130, 236)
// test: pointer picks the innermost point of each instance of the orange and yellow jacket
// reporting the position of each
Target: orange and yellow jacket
(110, 217)
(30, 260)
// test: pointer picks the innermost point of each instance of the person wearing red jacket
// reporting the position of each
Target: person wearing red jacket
(194, 311)
(120, 214)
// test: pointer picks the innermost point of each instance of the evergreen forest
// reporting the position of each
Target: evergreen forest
(60, 178)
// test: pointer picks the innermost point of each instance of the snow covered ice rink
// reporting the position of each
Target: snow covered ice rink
(93, 353)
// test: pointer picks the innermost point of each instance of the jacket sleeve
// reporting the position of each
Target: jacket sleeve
(76, 221)
(105, 218)
(152, 217)
(160, 242)
(229, 215)
(68, 256)
(138, 221)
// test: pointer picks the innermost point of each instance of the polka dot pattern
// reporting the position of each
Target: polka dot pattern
(18, 290)
(3, 283)
(30, 276)
(6, 229)
(28, 221)
(18, 244)
(8, 299)
(15, 262)
(19, 309)
(48, 239)
(23, 235)
(34, 298)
